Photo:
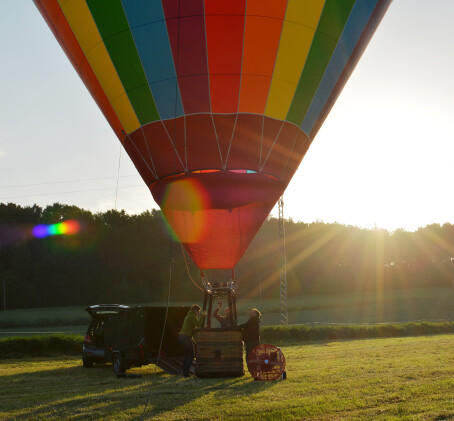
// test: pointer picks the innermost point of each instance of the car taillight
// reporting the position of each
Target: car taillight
(87, 339)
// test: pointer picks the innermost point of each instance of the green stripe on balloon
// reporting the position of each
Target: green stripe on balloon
(332, 21)
(116, 34)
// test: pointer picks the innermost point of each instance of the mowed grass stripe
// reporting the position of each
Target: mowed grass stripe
(349, 308)
(405, 378)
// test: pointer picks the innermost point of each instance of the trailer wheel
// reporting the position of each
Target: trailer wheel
(119, 365)
(87, 363)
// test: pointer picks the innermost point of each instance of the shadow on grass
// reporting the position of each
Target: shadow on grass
(97, 393)
(184, 391)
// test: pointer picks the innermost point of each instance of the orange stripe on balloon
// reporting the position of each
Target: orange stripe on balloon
(261, 41)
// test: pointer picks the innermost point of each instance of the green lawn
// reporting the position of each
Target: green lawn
(400, 378)
(44, 317)
(363, 307)
(46, 330)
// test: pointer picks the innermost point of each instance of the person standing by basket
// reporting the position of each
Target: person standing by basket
(225, 319)
(190, 323)
(251, 331)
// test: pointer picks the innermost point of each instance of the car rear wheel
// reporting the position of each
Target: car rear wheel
(119, 365)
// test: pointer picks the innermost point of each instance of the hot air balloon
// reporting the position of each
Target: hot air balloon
(216, 102)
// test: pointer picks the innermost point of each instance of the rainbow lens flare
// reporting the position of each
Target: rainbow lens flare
(62, 228)
(184, 205)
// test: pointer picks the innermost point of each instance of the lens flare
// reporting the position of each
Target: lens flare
(62, 228)
(40, 231)
(184, 206)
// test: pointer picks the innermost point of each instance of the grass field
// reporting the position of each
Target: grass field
(364, 307)
(400, 378)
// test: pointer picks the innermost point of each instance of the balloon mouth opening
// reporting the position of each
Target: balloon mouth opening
(210, 171)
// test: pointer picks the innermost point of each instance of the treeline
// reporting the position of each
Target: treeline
(116, 257)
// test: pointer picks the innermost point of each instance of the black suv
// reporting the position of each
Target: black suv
(93, 350)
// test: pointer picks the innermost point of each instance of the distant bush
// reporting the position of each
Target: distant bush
(40, 346)
(303, 333)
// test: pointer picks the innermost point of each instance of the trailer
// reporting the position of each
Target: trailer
(131, 337)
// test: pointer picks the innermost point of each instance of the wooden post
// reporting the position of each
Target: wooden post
(229, 295)
(210, 303)
(235, 316)
(205, 299)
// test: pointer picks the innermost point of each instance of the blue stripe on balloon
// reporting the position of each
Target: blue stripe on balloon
(148, 26)
(357, 21)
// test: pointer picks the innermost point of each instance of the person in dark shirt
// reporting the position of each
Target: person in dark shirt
(251, 331)
(223, 320)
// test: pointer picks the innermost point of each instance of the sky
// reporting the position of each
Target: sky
(383, 158)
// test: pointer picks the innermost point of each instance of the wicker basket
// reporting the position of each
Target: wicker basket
(219, 353)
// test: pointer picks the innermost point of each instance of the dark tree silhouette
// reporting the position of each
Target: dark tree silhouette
(124, 258)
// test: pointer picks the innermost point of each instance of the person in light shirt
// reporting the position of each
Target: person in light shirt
(191, 322)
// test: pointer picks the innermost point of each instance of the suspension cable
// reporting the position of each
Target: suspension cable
(187, 268)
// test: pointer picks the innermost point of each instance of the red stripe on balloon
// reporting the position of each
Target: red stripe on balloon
(186, 29)
(224, 31)
(56, 21)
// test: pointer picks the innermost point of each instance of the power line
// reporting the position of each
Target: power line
(70, 192)
(67, 181)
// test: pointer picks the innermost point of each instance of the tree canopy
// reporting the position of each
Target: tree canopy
(124, 258)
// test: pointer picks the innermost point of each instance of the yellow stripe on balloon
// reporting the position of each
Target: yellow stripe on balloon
(301, 21)
(84, 28)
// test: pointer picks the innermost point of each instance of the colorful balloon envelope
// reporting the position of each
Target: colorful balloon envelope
(215, 101)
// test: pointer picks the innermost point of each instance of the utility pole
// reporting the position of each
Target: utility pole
(282, 264)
